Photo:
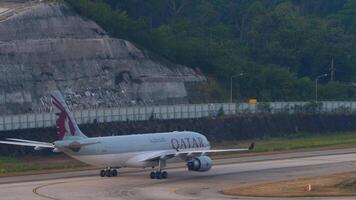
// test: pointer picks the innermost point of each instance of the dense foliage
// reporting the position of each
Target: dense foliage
(280, 45)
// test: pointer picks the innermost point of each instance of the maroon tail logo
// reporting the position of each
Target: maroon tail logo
(64, 123)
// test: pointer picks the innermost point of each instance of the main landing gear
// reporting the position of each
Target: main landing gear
(159, 175)
(108, 172)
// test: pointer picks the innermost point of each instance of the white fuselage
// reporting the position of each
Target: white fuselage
(128, 150)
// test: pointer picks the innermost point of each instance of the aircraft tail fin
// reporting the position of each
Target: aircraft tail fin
(67, 128)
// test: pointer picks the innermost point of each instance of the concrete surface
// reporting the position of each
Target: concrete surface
(181, 184)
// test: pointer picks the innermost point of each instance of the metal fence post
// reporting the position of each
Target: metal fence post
(12, 122)
(81, 117)
(174, 112)
(43, 120)
(111, 115)
(3, 123)
(237, 108)
(181, 111)
(28, 123)
(36, 120)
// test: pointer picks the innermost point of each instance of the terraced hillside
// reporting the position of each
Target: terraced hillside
(44, 46)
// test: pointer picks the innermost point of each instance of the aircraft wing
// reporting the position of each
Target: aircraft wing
(29, 144)
(28, 141)
(39, 145)
(189, 153)
(78, 144)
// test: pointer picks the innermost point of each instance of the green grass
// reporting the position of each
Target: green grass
(297, 142)
(12, 165)
(276, 144)
(4, 159)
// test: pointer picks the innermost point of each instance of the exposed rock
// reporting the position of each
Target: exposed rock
(44, 46)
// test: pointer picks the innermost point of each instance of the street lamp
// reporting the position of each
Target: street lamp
(231, 78)
(316, 86)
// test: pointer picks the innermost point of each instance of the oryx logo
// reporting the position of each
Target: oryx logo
(64, 123)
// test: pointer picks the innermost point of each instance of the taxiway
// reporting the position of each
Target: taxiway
(181, 184)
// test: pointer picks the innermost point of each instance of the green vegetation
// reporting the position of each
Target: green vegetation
(299, 142)
(13, 165)
(335, 185)
(10, 164)
(281, 45)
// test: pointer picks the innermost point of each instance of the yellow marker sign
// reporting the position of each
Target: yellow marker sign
(252, 101)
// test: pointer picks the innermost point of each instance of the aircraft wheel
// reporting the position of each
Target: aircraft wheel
(102, 173)
(152, 175)
(164, 175)
(114, 172)
(108, 173)
(158, 175)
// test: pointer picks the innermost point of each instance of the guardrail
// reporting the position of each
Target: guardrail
(40, 120)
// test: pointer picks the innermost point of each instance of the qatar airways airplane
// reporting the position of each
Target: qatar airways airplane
(139, 151)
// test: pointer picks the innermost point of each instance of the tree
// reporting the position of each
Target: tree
(281, 44)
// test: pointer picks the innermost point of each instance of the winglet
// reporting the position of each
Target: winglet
(252, 146)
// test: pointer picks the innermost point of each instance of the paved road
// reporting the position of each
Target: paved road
(134, 184)
(10, 8)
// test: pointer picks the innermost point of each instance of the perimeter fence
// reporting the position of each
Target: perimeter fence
(184, 111)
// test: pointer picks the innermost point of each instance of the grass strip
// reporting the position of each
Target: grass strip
(323, 186)
(13, 165)
(300, 141)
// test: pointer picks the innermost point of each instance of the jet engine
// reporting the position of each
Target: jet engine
(38, 148)
(200, 164)
(56, 150)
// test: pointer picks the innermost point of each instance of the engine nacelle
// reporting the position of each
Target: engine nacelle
(56, 150)
(38, 148)
(200, 164)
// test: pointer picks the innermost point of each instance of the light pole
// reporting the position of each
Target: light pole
(231, 78)
(316, 86)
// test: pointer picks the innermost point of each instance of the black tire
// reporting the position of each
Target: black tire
(108, 173)
(114, 172)
(164, 175)
(152, 175)
(158, 175)
(102, 173)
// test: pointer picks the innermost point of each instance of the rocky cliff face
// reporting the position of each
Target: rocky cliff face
(44, 46)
